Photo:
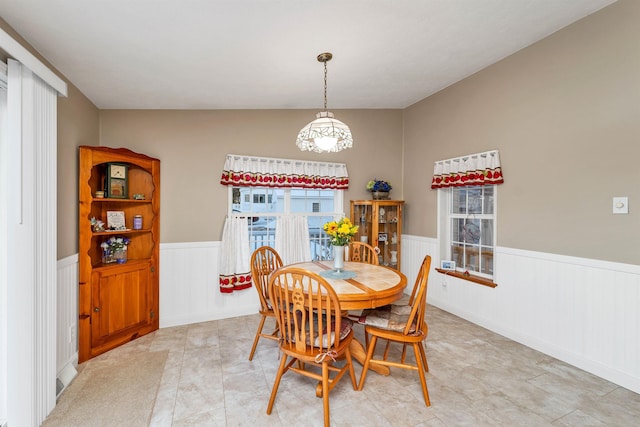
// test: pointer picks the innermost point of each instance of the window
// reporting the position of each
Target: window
(319, 206)
(467, 228)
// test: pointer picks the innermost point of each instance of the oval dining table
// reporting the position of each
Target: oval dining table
(373, 286)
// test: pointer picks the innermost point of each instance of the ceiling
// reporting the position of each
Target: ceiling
(261, 54)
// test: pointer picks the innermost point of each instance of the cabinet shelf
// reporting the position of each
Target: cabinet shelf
(115, 232)
(108, 200)
(115, 265)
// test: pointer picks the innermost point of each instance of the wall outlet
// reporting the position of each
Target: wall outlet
(72, 333)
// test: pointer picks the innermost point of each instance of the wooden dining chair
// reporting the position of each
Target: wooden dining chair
(314, 334)
(264, 261)
(402, 324)
(363, 252)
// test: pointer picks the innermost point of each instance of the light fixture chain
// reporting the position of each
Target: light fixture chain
(325, 86)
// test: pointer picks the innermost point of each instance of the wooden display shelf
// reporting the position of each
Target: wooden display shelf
(114, 232)
(110, 200)
(112, 265)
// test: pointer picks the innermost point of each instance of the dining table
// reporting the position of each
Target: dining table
(360, 286)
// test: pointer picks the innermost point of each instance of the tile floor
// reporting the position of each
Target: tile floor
(476, 378)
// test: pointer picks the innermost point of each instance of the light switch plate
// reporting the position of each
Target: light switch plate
(620, 205)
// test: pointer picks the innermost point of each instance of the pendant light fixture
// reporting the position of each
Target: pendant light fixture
(325, 134)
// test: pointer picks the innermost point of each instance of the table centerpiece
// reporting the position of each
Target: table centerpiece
(340, 233)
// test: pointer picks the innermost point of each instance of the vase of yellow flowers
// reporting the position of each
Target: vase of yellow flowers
(340, 233)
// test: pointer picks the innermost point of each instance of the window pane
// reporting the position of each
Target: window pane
(487, 232)
(487, 261)
(262, 231)
(457, 227)
(303, 200)
(458, 200)
(488, 199)
(474, 200)
(471, 258)
(457, 253)
(471, 231)
(320, 246)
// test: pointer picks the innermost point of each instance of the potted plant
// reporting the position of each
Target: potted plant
(379, 189)
(114, 249)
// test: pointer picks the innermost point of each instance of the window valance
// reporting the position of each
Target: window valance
(475, 169)
(245, 171)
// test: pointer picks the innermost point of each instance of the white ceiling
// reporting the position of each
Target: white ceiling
(257, 54)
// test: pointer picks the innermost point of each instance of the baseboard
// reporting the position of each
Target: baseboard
(167, 322)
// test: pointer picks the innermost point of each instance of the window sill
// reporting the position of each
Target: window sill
(470, 277)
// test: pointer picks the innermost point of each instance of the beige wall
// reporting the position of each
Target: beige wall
(77, 125)
(564, 114)
(192, 146)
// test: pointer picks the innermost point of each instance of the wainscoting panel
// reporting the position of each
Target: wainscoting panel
(189, 290)
(582, 311)
(67, 313)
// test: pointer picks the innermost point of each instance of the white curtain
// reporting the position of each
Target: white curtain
(292, 239)
(235, 256)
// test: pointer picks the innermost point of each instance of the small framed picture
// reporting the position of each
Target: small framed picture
(382, 237)
(448, 265)
(115, 220)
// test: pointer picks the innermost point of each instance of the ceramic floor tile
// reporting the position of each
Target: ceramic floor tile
(476, 378)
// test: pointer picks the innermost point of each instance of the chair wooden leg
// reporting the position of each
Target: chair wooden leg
(424, 358)
(255, 340)
(417, 349)
(386, 349)
(367, 361)
(352, 373)
(276, 383)
(325, 393)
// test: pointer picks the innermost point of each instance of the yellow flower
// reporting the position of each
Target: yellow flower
(341, 232)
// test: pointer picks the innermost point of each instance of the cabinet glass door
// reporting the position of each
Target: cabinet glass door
(362, 217)
(387, 217)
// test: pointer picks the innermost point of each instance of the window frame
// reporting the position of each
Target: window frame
(445, 216)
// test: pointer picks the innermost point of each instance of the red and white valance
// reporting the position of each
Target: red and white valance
(244, 171)
(474, 169)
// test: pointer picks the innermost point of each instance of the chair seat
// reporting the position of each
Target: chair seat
(392, 317)
(346, 326)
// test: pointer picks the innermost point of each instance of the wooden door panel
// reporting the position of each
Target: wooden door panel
(122, 302)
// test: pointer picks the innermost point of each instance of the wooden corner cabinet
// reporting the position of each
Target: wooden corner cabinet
(118, 298)
(380, 225)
